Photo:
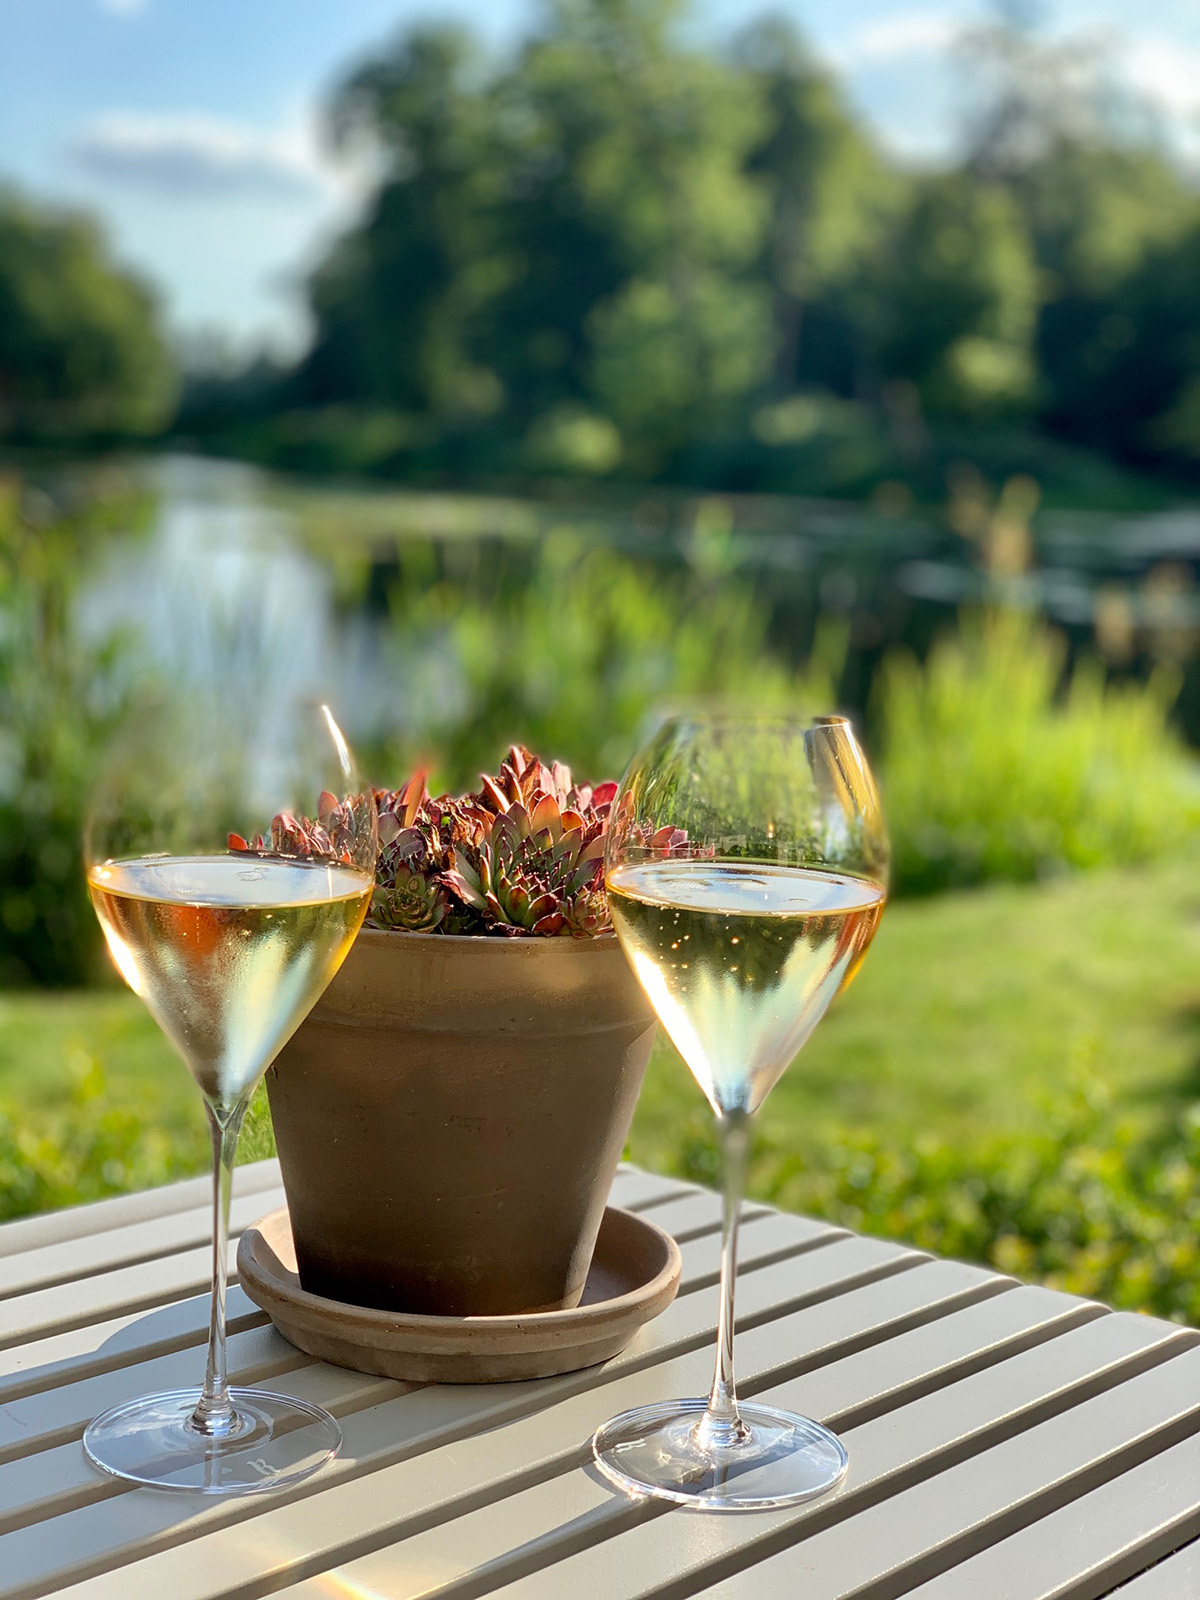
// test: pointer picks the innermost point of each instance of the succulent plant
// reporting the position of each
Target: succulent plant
(522, 856)
(330, 837)
(413, 902)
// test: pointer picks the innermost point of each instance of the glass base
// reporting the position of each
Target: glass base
(782, 1459)
(276, 1442)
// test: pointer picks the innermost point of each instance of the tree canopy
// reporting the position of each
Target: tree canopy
(80, 347)
(618, 250)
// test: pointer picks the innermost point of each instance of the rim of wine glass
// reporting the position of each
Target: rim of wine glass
(767, 719)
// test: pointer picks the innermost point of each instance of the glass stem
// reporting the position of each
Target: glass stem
(214, 1415)
(721, 1426)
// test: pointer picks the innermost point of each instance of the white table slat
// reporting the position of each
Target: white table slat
(1176, 1578)
(642, 1191)
(75, 1222)
(937, 1433)
(431, 1422)
(37, 1420)
(129, 1246)
(1079, 1551)
(426, 1418)
(115, 1342)
(1006, 1442)
(939, 1522)
(930, 1353)
(96, 1295)
(771, 1228)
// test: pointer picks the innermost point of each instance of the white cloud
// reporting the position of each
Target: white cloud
(193, 153)
(122, 8)
(1165, 72)
(915, 33)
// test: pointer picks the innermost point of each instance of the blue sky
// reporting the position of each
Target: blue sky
(192, 127)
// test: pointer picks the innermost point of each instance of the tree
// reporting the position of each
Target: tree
(1106, 210)
(653, 140)
(831, 198)
(574, 234)
(616, 250)
(395, 299)
(956, 298)
(80, 347)
(1135, 388)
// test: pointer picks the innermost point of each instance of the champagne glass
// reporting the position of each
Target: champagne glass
(228, 936)
(746, 871)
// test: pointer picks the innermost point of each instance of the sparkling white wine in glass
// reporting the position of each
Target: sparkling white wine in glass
(229, 953)
(746, 868)
(229, 945)
(740, 961)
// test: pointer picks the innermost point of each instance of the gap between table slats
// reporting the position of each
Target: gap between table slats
(695, 1216)
(1175, 1578)
(123, 1250)
(572, 1419)
(57, 1413)
(1065, 1459)
(136, 1229)
(26, 1321)
(116, 1342)
(937, 1352)
(178, 1231)
(53, 1416)
(653, 1200)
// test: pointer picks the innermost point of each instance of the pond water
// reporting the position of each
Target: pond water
(220, 583)
(237, 576)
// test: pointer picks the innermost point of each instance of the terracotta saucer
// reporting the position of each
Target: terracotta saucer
(634, 1276)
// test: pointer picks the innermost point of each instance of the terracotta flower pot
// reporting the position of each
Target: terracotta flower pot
(450, 1116)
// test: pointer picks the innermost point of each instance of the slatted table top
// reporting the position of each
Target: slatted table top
(1006, 1442)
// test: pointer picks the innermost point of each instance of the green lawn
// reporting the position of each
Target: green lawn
(972, 1007)
(940, 1099)
(50, 1040)
(969, 1009)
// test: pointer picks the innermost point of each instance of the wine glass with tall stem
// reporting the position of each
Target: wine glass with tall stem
(229, 935)
(746, 871)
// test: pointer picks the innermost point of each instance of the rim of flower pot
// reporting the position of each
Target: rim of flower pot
(591, 942)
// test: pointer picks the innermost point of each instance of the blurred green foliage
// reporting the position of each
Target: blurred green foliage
(81, 352)
(1083, 1201)
(619, 252)
(91, 1148)
(1086, 1201)
(59, 699)
(570, 646)
(94, 1142)
(1012, 1077)
(995, 768)
(956, 299)
(999, 760)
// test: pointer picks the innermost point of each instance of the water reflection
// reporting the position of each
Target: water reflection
(232, 583)
(220, 589)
